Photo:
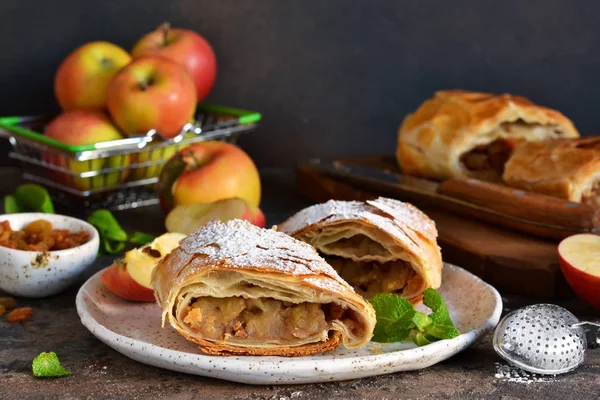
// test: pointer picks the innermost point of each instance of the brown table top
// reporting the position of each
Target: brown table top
(99, 372)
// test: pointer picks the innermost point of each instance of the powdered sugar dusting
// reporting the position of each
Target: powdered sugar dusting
(508, 373)
(239, 243)
(403, 221)
(414, 218)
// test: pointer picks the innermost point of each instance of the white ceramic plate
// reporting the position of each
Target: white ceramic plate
(134, 330)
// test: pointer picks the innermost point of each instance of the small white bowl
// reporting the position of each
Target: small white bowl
(37, 274)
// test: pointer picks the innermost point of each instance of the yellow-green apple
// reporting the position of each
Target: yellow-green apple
(186, 218)
(186, 48)
(79, 127)
(579, 257)
(130, 277)
(206, 172)
(152, 93)
(152, 154)
(83, 77)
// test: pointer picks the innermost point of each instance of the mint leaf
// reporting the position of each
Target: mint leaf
(10, 205)
(435, 301)
(112, 236)
(140, 238)
(47, 365)
(394, 315)
(399, 330)
(34, 198)
(397, 319)
(442, 331)
(421, 321)
(394, 335)
(112, 246)
(420, 339)
(390, 307)
(29, 197)
(107, 225)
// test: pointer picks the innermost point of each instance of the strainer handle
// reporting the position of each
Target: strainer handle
(592, 331)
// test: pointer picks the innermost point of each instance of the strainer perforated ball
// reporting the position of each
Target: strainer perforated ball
(543, 339)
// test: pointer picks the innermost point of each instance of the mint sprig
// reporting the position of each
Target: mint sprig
(112, 236)
(47, 365)
(397, 319)
(29, 197)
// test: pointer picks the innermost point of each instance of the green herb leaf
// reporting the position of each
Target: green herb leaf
(397, 319)
(112, 236)
(112, 246)
(107, 225)
(34, 197)
(421, 321)
(442, 331)
(10, 205)
(435, 301)
(140, 238)
(29, 198)
(47, 365)
(420, 339)
(394, 315)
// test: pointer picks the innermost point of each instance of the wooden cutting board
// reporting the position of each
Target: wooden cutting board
(511, 261)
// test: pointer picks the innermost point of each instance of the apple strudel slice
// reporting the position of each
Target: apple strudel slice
(234, 288)
(382, 245)
(568, 169)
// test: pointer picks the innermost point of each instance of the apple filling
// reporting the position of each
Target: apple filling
(371, 277)
(488, 160)
(261, 320)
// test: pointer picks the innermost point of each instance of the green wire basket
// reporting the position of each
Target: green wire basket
(118, 174)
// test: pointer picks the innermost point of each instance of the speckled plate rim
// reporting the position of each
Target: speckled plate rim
(282, 370)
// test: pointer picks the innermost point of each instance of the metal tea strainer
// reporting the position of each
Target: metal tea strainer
(544, 339)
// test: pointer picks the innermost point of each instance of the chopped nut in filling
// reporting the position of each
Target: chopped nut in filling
(370, 278)
(259, 320)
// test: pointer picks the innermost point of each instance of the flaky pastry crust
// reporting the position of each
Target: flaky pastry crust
(561, 168)
(432, 140)
(403, 231)
(237, 259)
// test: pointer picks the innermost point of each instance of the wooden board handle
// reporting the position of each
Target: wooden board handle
(529, 206)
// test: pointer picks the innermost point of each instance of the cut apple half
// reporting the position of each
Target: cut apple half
(579, 257)
(186, 218)
(141, 261)
(117, 279)
(130, 277)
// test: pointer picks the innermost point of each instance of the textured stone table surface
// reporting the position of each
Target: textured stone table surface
(98, 372)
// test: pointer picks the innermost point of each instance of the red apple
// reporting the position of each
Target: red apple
(116, 279)
(186, 48)
(83, 77)
(206, 172)
(152, 93)
(130, 277)
(79, 127)
(579, 257)
(189, 217)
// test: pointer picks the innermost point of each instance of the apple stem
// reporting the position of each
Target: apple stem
(165, 28)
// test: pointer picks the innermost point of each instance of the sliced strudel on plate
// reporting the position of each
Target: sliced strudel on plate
(382, 245)
(234, 288)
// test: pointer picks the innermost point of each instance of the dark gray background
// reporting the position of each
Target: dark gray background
(331, 77)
